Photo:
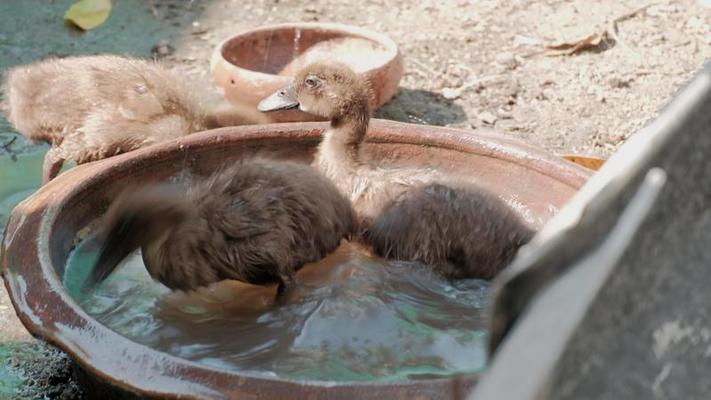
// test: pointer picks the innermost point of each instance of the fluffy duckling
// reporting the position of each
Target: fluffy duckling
(257, 221)
(334, 91)
(93, 107)
(460, 229)
(412, 217)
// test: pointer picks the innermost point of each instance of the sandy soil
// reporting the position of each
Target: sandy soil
(469, 63)
(479, 63)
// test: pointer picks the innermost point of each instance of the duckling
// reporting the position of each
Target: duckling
(408, 214)
(462, 230)
(336, 92)
(92, 107)
(257, 221)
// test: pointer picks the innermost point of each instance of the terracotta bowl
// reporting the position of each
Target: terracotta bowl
(254, 64)
(43, 229)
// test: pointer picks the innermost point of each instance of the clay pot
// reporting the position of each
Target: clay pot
(43, 229)
(254, 64)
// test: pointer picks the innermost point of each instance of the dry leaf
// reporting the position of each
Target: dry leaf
(606, 34)
(584, 43)
(88, 14)
(585, 161)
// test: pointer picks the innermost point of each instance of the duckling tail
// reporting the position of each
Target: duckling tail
(138, 218)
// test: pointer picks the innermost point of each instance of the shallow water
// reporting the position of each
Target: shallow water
(19, 178)
(353, 317)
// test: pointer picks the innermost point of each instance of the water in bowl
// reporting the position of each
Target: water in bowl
(354, 317)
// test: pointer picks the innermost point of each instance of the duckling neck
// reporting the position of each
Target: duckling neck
(339, 152)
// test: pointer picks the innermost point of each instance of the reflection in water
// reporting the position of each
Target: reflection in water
(353, 317)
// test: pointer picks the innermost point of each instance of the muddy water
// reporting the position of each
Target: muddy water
(354, 317)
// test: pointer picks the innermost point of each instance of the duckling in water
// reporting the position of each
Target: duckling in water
(334, 91)
(257, 221)
(93, 107)
(409, 214)
(460, 229)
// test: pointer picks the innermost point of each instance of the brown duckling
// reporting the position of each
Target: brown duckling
(334, 91)
(93, 107)
(257, 221)
(414, 217)
(460, 229)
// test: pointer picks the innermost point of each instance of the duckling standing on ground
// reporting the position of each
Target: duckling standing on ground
(462, 230)
(93, 107)
(257, 221)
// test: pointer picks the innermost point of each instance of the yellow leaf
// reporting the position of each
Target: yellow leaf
(586, 161)
(88, 14)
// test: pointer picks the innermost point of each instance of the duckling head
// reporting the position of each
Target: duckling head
(327, 89)
(138, 218)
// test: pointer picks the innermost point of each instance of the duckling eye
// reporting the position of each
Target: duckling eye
(312, 81)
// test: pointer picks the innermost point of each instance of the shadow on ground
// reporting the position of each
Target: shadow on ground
(422, 107)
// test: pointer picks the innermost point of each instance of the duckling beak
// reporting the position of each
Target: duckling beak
(283, 99)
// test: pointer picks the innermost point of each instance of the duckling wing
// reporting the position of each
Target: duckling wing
(241, 224)
(234, 218)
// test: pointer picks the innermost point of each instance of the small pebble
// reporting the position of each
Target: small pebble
(487, 118)
(451, 93)
(197, 29)
(618, 83)
(507, 59)
(504, 114)
(162, 49)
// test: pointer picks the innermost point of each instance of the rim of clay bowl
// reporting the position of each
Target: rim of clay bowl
(47, 310)
(390, 45)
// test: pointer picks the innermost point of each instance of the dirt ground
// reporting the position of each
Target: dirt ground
(469, 63)
(473, 63)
